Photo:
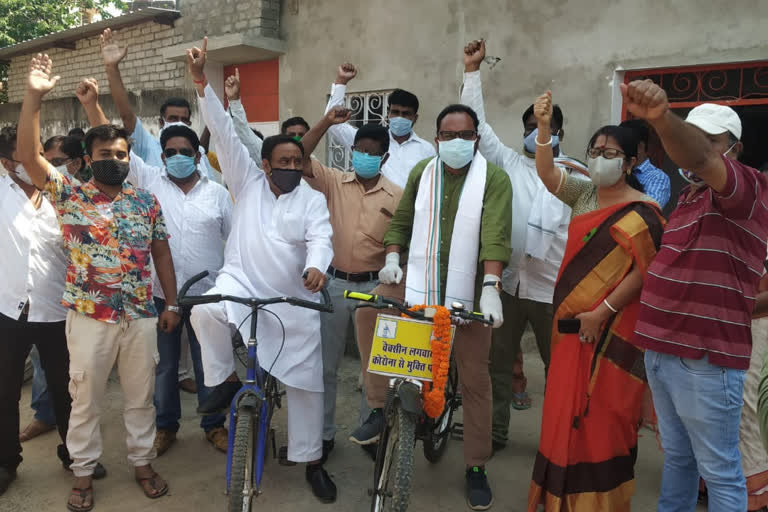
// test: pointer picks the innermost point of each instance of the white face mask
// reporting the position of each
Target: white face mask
(605, 172)
(21, 173)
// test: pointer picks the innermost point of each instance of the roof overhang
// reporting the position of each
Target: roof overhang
(232, 48)
(68, 38)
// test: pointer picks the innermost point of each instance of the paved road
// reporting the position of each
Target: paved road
(195, 470)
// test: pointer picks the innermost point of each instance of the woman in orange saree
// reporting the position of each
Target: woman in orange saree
(593, 404)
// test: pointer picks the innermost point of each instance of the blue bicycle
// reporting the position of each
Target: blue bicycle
(252, 407)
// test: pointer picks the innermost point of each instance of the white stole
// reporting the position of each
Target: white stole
(422, 284)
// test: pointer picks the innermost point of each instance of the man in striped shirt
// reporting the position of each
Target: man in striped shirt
(698, 299)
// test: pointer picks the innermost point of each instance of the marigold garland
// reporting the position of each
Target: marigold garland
(434, 399)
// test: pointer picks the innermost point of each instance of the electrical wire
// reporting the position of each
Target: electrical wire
(282, 342)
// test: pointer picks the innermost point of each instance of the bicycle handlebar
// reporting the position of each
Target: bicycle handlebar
(379, 302)
(252, 302)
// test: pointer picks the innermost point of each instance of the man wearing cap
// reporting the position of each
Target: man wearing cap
(698, 297)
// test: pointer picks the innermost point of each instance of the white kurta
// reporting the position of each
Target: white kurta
(272, 242)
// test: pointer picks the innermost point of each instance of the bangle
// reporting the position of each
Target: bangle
(605, 301)
(199, 82)
(548, 143)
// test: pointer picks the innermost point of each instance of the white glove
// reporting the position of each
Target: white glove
(490, 302)
(391, 273)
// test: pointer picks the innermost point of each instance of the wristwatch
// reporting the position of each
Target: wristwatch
(173, 309)
(495, 284)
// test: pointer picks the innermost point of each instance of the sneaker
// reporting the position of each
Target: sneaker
(370, 431)
(479, 495)
(219, 438)
(220, 398)
(164, 438)
(322, 486)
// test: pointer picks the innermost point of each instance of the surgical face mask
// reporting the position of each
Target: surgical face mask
(21, 173)
(400, 126)
(690, 177)
(605, 172)
(180, 166)
(729, 149)
(365, 165)
(529, 142)
(286, 179)
(110, 171)
(456, 153)
(62, 169)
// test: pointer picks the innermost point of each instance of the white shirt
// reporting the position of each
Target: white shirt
(199, 223)
(32, 258)
(535, 277)
(274, 240)
(402, 157)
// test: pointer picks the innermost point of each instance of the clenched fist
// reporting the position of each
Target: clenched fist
(645, 99)
(345, 73)
(338, 115)
(542, 108)
(88, 91)
(474, 54)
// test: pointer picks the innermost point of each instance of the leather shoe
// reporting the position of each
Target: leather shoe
(220, 398)
(322, 486)
(164, 438)
(219, 438)
(188, 385)
(34, 429)
(6, 477)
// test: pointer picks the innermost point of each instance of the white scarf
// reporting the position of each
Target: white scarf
(422, 284)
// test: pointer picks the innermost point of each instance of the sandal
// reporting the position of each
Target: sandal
(83, 494)
(153, 486)
(521, 401)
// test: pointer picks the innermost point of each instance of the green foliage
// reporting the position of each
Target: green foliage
(21, 20)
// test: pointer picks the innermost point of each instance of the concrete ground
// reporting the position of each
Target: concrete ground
(195, 471)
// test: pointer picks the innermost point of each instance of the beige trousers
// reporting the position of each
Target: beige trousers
(94, 347)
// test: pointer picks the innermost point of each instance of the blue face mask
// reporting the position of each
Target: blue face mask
(456, 153)
(365, 165)
(180, 166)
(400, 126)
(529, 142)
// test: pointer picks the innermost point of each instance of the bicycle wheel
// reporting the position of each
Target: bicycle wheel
(394, 463)
(241, 481)
(437, 440)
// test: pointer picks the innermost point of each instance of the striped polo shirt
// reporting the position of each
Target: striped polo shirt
(699, 292)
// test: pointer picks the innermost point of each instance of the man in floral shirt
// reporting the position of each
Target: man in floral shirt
(111, 233)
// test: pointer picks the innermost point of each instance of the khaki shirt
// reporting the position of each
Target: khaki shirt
(359, 218)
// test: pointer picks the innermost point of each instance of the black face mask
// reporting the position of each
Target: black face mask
(110, 172)
(286, 179)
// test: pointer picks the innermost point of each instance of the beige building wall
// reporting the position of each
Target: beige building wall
(572, 47)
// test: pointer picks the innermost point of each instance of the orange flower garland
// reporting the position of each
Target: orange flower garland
(434, 399)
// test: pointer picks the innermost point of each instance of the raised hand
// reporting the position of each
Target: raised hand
(41, 80)
(542, 108)
(474, 54)
(338, 115)
(232, 86)
(111, 53)
(196, 61)
(345, 73)
(87, 91)
(645, 99)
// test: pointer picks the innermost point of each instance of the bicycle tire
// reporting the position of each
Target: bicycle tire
(437, 440)
(396, 467)
(242, 459)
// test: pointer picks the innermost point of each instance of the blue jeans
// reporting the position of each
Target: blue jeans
(699, 409)
(41, 400)
(167, 399)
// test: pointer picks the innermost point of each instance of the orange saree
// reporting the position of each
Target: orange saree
(593, 404)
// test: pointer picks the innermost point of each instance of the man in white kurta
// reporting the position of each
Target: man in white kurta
(279, 232)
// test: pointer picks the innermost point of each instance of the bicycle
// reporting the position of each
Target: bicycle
(254, 404)
(404, 419)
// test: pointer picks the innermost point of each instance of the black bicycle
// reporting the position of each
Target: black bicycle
(253, 406)
(404, 419)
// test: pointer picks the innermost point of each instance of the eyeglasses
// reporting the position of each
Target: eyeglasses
(365, 152)
(608, 153)
(464, 134)
(58, 162)
(169, 152)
